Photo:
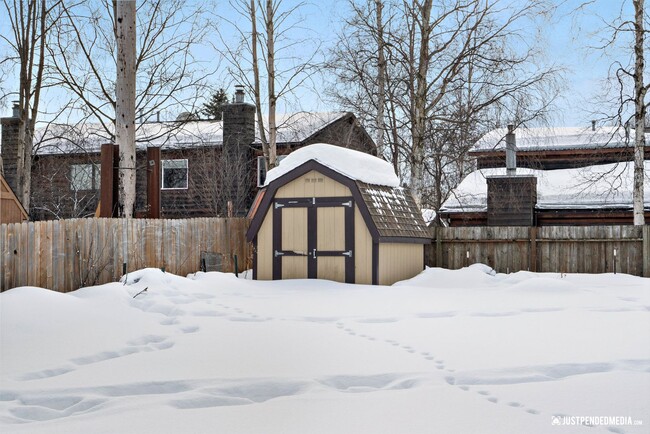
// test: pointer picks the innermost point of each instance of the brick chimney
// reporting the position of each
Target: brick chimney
(238, 136)
(10, 146)
(238, 122)
(511, 199)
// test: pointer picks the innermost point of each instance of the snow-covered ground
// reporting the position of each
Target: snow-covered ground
(446, 352)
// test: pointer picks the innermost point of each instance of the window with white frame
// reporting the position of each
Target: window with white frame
(174, 174)
(262, 168)
(84, 177)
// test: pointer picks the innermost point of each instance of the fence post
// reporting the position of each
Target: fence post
(438, 247)
(645, 254)
(532, 258)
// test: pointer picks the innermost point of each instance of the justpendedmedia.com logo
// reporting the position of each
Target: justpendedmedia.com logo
(596, 420)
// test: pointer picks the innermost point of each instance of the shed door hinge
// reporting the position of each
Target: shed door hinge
(348, 253)
(278, 205)
(348, 204)
(278, 254)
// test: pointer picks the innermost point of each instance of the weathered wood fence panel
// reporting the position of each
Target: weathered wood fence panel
(560, 249)
(68, 254)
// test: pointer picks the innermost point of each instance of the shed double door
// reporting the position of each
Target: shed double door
(314, 238)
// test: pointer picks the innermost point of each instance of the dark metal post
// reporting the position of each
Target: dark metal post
(236, 267)
(511, 152)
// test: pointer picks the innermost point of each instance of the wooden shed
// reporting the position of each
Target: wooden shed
(11, 210)
(332, 213)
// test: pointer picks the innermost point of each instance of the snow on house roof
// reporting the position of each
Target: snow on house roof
(544, 139)
(296, 127)
(355, 165)
(592, 187)
(429, 215)
(64, 139)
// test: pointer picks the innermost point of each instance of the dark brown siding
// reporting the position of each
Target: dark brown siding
(345, 132)
(558, 159)
(52, 193)
(511, 200)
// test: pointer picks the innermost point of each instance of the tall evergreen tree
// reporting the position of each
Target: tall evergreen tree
(213, 109)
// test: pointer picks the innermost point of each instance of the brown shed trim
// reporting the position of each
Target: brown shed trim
(375, 263)
(304, 168)
(271, 189)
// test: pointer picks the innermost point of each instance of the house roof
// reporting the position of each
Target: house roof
(65, 139)
(390, 213)
(605, 186)
(564, 138)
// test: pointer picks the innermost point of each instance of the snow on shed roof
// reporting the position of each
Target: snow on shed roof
(355, 165)
(592, 187)
(64, 139)
(544, 139)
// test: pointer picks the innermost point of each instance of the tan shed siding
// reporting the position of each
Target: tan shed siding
(399, 261)
(331, 236)
(294, 238)
(265, 248)
(362, 250)
(312, 184)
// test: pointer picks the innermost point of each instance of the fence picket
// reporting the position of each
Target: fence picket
(567, 249)
(66, 254)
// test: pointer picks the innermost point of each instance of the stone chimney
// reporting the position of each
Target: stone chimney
(10, 146)
(511, 199)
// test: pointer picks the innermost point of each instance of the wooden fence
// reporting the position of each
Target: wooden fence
(68, 254)
(560, 249)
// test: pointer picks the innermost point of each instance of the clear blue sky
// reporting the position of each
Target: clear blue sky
(568, 37)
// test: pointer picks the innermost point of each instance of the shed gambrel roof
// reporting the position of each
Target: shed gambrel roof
(390, 213)
(393, 211)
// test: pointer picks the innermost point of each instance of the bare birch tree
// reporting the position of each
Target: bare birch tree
(270, 44)
(640, 91)
(30, 23)
(169, 79)
(623, 99)
(451, 66)
(125, 103)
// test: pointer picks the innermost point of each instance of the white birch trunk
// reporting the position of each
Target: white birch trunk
(125, 103)
(381, 78)
(270, 53)
(256, 82)
(420, 106)
(639, 115)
